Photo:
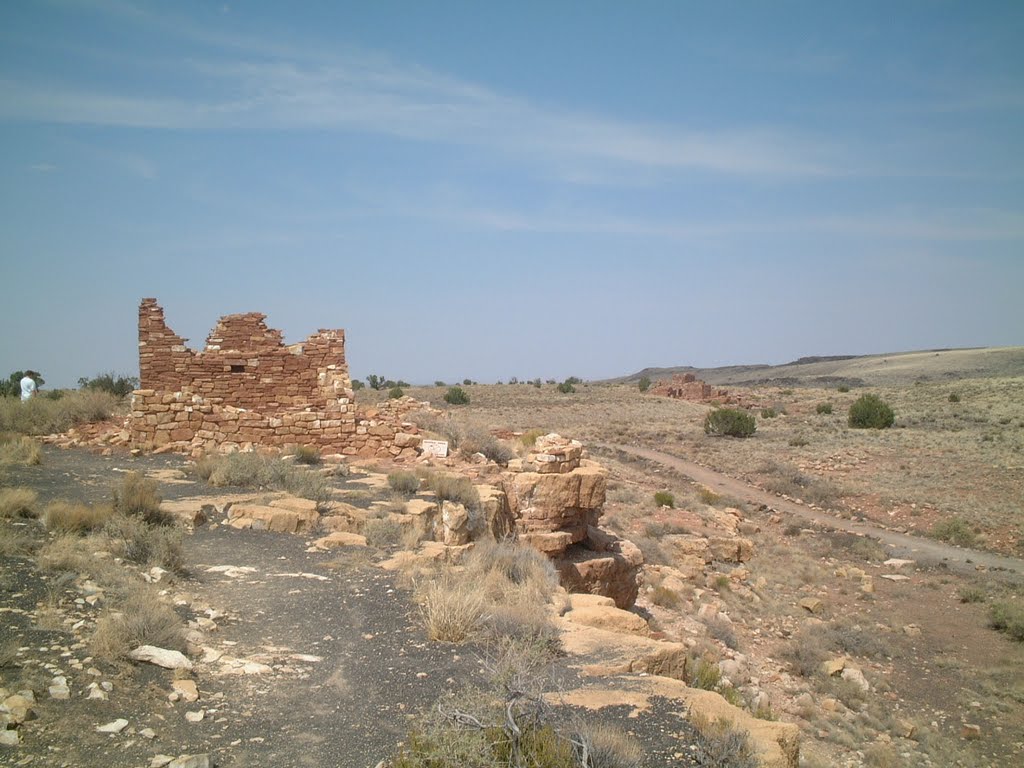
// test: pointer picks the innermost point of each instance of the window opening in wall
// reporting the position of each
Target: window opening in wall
(237, 369)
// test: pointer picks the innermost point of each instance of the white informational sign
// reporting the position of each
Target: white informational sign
(437, 448)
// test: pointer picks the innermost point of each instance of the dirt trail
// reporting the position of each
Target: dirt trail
(957, 558)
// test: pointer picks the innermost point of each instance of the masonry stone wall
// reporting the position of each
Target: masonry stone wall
(246, 388)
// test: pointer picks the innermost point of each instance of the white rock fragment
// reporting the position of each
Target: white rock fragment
(162, 657)
(115, 726)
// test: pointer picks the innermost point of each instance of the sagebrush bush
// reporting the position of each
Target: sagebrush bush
(768, 413)
(249, 469)
(842, 388)
(825, 408)
(382, 533)
(478, 440)
(566, 387)
(955, 530)
(644, 384)
(44, 416)
(140, 618)
(307, 454)
(403, 482)
(1008, 618)
(731, 422)
(954, 397)
(145, 544)
(18, 502)
(69, 517)
(457, 488)
(456, 396)
(18, 449)
(664, 499)
(529, 437)
(870, 412)
(136, 496)
(395, 393)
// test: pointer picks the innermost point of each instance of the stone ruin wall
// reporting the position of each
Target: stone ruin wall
(246, 388)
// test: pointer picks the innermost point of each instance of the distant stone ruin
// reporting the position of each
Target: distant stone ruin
(246, 388)
(686, 386)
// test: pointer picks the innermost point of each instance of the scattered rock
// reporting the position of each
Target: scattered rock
(59, 688)
(196, 717)
(115, 726)
(186, 689)
(970, 731)
(812, 604)
(190, 761)
(162, 657)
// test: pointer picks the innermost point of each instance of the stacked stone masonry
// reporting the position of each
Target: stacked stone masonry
(246, 388)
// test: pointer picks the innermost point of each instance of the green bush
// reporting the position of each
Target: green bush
(731, 422)
(955, 530)
(403, 482)
(456, 396)
(768, 413)
(871, 412)
(119, 386)
(357, 385)
(395, 392)
(954, 397)
(664, 499)
(1007, 618)
(644, 384)
(842, 388)
(825, 408)
(477, 440)
(566, 387)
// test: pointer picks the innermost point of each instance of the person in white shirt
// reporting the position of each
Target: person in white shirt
(28, 385)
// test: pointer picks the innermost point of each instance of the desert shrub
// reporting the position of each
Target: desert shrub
(452, 609)
(383, 533)
(566, 387)
(825, 408)
(664, 499)
(704, 675)
(972, 595)
(666, 598)
(723, 632)
(395, 393)
(719, 745)
(18, 449)
(644, 384)
(457, 488)
(44, 415)
(520, 565)
(806, 652)
(140, 618)
(17, 541)
(136, 496)
(607, 746)
(403, 482)
(954, 397)
(1007, 618)
(857, 641)
(456, 396)
(842, 388)
(954, 530)
(357, 385)
(113, 384)
(307, 454)
(69, 517)
(18, 502)
(253, 470)
(481, 441)
(870, 412)
(768, 413)
(708, 496)
(145, 544)
(729, 421)
(529, 437)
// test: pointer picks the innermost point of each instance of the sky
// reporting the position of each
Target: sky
(489, 190)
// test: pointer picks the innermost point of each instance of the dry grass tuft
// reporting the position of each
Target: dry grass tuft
(18, 502)
(17, 449)
(72, 517)
(608, 746)
(141, 618)
(136, 496)
(452, 608)
(143, 544)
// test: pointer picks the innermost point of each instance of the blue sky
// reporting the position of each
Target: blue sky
(524, 189)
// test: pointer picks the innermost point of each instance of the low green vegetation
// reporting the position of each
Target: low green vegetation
(664, 499)
(644, 384)
(730, 422)
(955, 530)
(45, 415)
(118, 385)
(1008, 618)
(566, 387)
(871, 412)
(456, 396)
(403, 482)
(823, 408)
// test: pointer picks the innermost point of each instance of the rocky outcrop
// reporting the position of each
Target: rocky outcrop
(556, 499)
